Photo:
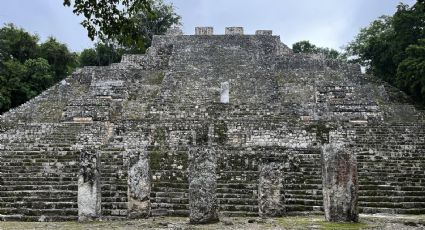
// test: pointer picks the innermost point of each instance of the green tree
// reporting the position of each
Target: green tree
(304, 47)
(39, 75)
(88, 57)
(58, 56)
(128, 23)
(411, 71)
(17, 43)
(390, 48)
(309, 48)
(101, 55)
(27, 68)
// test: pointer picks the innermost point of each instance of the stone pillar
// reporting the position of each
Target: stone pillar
(139, 184)
(270, 199)
(224, 92)
(264, 32)
(204, 30)
(89, 196)
(233, 31)
(340, 183)
(203, 202)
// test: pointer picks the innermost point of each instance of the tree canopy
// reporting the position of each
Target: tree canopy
(126, 23)
(309, 48)
(392, 48)
(27, 67)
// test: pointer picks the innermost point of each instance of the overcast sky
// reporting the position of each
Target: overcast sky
(328, 23)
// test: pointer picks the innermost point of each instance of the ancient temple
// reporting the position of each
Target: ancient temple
(211, 125)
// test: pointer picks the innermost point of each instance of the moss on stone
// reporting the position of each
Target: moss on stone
(155, 158)
(321, 130)
(220, 132)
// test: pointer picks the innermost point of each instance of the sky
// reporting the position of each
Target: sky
(326, 23)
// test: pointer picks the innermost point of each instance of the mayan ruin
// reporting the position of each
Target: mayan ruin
(211, 125)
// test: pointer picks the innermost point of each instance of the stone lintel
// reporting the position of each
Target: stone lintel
(234, 31)
(264, 32)
(204, 30)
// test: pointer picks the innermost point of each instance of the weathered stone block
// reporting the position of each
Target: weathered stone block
(203, 202)
(340, 183)
(139, 184)
(271, 201)
(89, 195)
(234, 31)
(224, 93)
(264, 32)
(204, 31)
(175, 31)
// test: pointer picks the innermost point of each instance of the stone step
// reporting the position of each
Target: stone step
(237, 201)
(114, 212)
(238, 214)
(239, 208)
(394, 205)
(27, 218)
(39, 212)
(39, 187)
(168, 212)
(170, 194)
(39, 199)
(391, 210)
(39, 205)
(391, 199)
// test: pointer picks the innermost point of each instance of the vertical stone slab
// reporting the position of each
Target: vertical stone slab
(204, 30)
(233, 31)
(224, 92)
(139, 184)
(340, 183)
(89, 196)
(270, 199)
(203, 202)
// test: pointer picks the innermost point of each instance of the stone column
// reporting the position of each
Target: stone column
(89, 196)
(340, 183)
(203, 202)
(270, 199)
(139, 184)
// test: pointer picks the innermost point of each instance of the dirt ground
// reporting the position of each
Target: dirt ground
(396, 222)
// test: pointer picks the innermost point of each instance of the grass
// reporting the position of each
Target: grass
(317, 222)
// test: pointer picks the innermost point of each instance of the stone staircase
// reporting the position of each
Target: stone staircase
(113, 183)
(170, 186)
(303, 186)
(38, 176)
(392, 169)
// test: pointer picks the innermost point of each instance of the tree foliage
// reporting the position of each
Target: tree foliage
(27, 67)
(128, 23)
(390, 48)
(309, 48)
(101, 55)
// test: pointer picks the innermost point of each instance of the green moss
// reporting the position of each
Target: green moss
(316, 222)
(155, 158)
(282, 78)
(331, 225)
(155, 78)
(159, 136)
